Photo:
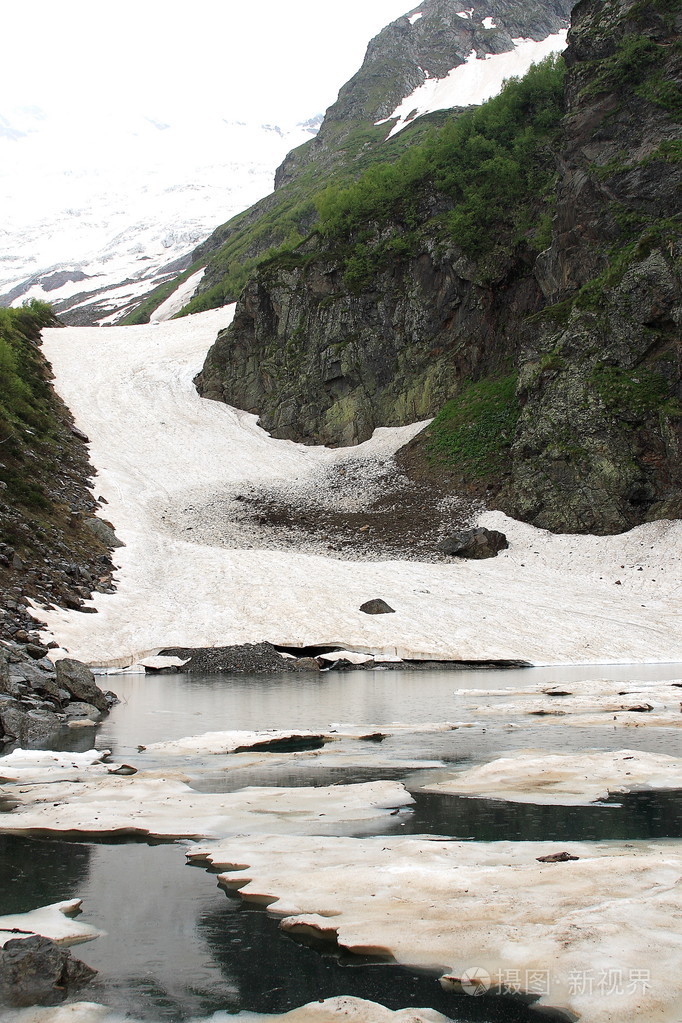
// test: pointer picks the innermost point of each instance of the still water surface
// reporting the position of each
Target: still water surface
(177, 947)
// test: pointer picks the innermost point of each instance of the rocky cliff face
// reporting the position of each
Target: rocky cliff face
(52, 547)
(398, 60)
(599, 441)
(322, 364)
(591, 325)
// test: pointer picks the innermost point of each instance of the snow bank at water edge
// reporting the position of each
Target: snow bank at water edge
(157, 447)
(52, 922)
(331, 1010)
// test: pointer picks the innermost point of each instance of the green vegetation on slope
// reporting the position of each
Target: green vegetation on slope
(25, 399)
(280, 222)
(472, 434)
(493, 164)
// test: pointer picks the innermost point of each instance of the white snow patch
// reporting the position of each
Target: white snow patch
(475, 81)
(568, 779)
(346, 655)
(163, 662)
(44, 765)
(467, 15)
(489, 23)
(414, 17)
(341, 1009)
(74, 1012)
(52, 922)
(180, 297)
(164, 806)
(548, 599)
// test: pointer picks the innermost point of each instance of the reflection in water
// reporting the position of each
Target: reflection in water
(163, 707)
(35, 873)
(637, 815)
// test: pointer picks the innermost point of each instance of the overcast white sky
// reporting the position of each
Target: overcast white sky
(263, 59)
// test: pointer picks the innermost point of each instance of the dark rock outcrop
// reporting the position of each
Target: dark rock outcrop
(36, 971)
(599, 442)
(250, 658)
(79, 681)
(38, 699)
(475, 544)
(324, 365)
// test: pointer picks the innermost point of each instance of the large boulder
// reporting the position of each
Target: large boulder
(78, 680)
(474, 543)
(35, 971)
(27, 724)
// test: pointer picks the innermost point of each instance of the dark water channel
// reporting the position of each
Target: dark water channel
(176, 947)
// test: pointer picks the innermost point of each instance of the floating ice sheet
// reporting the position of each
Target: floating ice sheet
(598, 936)
(166, 807)
(54, 922)
(538, 777)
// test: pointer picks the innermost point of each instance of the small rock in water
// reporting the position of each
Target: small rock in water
(377, 607)
(36, 971)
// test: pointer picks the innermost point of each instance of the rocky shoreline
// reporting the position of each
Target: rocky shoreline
(267, 659)
(38, 698)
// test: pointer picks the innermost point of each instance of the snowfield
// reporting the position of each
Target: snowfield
(478, 79)
(155, 443)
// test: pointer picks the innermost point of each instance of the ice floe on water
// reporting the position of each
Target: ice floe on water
(55, 922)
(590, 703)
(161, 806)
(45, 765)
(538, 777)
(329, 1010)
(597, 935)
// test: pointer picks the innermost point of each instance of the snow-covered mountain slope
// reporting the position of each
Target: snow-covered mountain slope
(435, 58)
(167, 452)
(96, 221)
(479, 78)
